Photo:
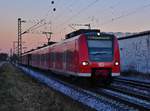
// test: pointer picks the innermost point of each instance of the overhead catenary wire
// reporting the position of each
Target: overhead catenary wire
(96, 20)
(126, 14)
(33, 27)
(80, 11)
(45, 17)
(39, 26)
(77, 14)
(60, 15)
(30, 28)
(64, 24)
(92, 19)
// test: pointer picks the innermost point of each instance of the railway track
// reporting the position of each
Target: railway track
(131, 92)
(135, 83)
(130, 98)
(124, 98)
(141, 94)
(138, 99)
(97, 98)
(86, 97)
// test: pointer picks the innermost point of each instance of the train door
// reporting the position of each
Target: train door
(64, 60)
(76, 57)
(29, 59)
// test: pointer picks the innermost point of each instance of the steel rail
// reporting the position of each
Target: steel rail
(132, 82)
(123, 99)
(130, 92)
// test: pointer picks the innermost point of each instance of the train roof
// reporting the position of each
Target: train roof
(135, 35)
(45, 45)
(87, 32)
(81, 31)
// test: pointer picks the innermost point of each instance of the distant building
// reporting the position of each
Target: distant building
(135, 52)
(121, 34)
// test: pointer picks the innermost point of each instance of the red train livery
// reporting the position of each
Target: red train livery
(84, 53)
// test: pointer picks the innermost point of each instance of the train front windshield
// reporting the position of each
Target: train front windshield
(100, 50)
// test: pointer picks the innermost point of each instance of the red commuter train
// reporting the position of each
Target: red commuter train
(84, 53)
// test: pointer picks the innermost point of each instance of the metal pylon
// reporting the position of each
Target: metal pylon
(19, 39)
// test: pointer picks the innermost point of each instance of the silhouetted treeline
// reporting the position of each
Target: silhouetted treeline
(14, 58)
(3, 56)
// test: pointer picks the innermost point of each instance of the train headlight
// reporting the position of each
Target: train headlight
(98, 34)
(116, 63)
(85, 63)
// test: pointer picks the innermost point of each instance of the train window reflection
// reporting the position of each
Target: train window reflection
(100, 50)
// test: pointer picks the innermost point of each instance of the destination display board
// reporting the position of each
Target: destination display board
(99, 37)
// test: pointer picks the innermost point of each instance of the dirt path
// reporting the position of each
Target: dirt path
(21, 93)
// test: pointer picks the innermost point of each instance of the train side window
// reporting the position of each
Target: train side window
(51, 56)
(54, 56)
(64, 56)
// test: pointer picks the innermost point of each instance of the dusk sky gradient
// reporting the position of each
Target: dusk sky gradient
(106, 15)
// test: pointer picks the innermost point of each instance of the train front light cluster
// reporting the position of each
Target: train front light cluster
(85, 63)
(116, 63)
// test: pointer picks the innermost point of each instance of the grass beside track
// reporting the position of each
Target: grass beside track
(19, 92)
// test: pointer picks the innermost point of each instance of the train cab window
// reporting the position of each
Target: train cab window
(100, 50)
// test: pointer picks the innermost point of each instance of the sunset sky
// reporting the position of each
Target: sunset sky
(106, 15)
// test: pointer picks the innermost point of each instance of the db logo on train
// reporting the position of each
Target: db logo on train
(101, 64)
